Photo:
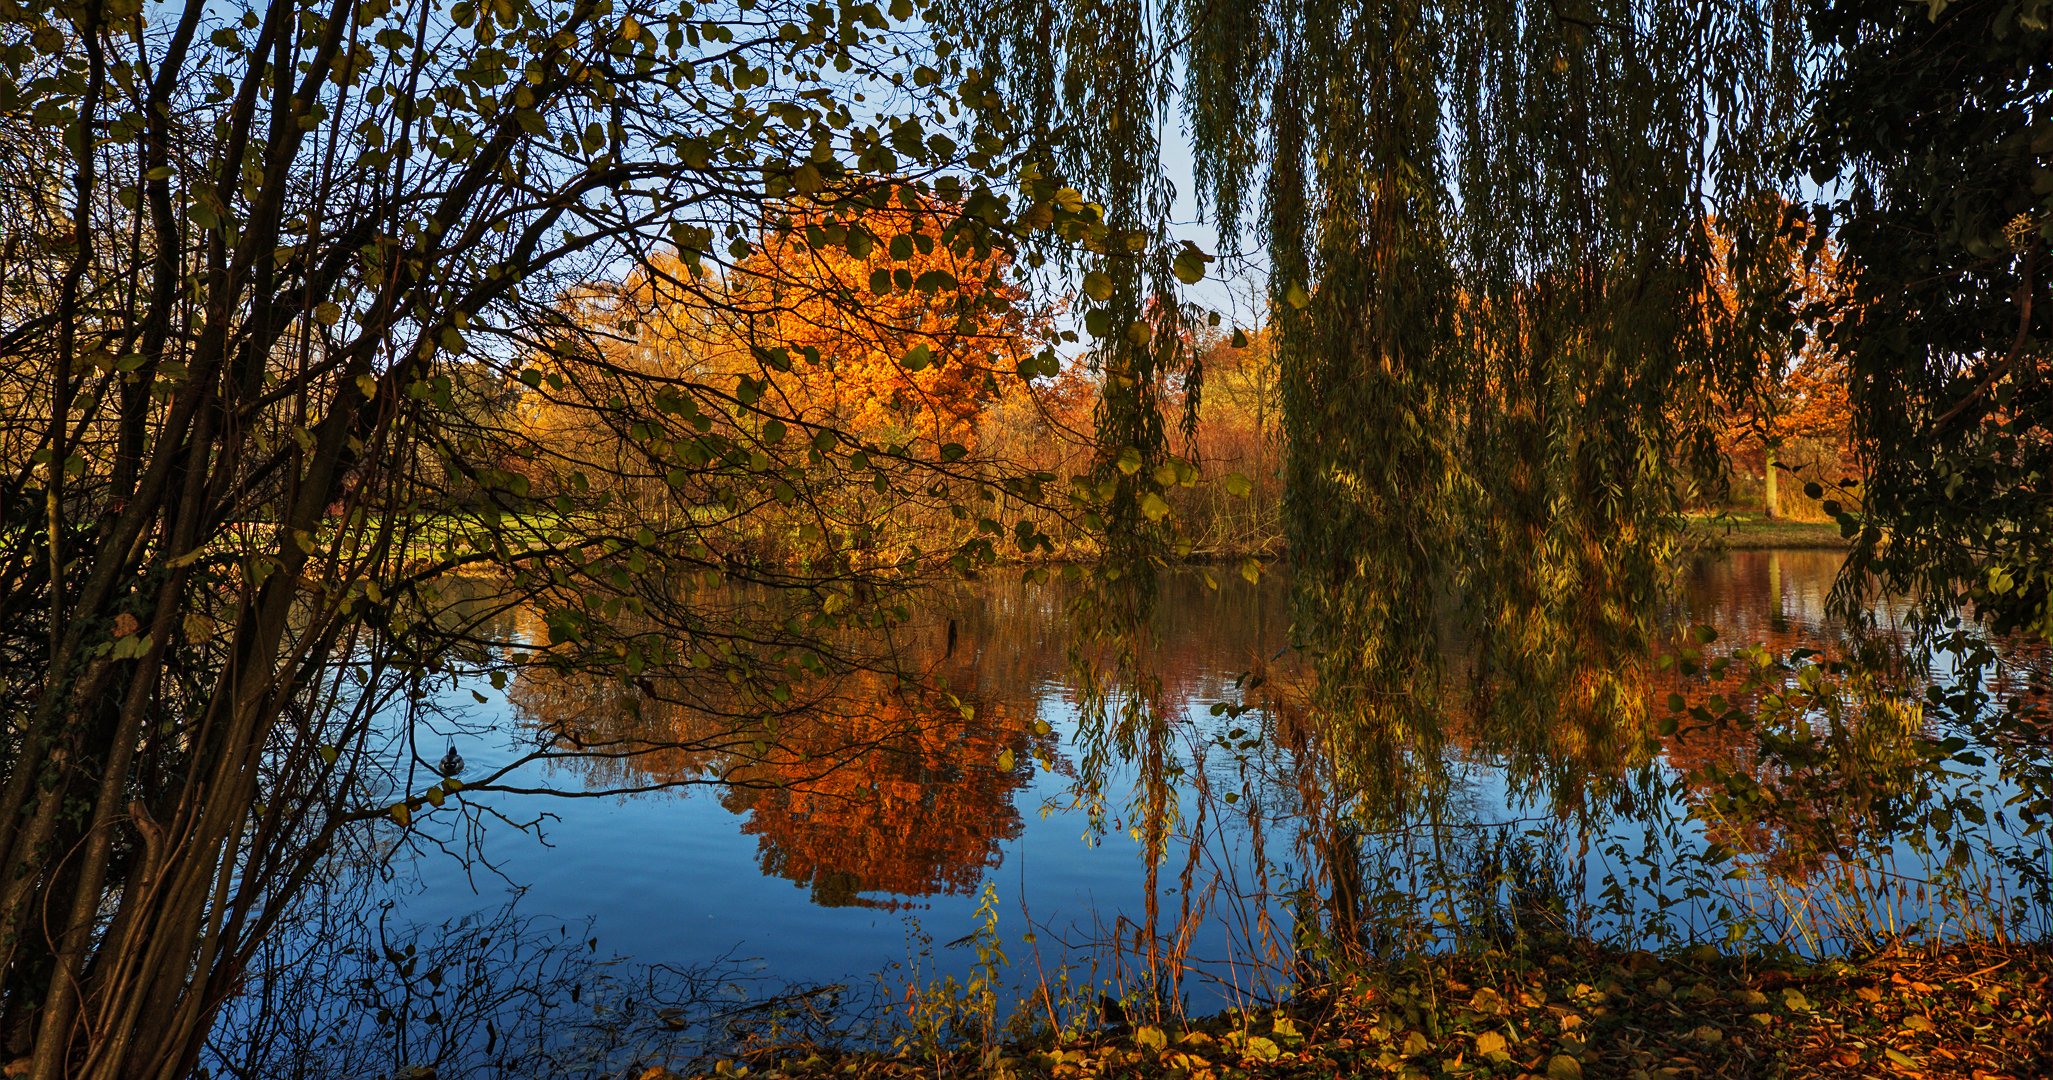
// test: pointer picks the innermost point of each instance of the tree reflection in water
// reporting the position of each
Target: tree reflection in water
(1556, 766)
(875, 790)
(1743, 773)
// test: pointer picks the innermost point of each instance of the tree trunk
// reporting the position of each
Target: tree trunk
(1770, 503)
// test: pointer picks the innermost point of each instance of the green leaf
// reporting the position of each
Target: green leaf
(1154, 507)
(1297, 297)
(1238, 485)
(1098, 286)
(1263, 1049)
(917, 358)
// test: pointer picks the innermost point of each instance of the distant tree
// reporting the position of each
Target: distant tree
(1797, 388)
(917, 353)
(830, 369)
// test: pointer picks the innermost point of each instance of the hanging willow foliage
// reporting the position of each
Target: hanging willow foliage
(1091, 79)
(1488, 228)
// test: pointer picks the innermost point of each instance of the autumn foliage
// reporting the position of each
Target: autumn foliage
(780, 403)
(882, 330)
(1791, 413)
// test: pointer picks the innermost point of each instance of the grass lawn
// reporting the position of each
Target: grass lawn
(1740, 531)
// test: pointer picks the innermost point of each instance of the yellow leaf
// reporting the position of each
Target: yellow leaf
(1563, 1067)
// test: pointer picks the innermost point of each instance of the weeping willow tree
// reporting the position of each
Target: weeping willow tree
(1087, 108)
(1488, 229)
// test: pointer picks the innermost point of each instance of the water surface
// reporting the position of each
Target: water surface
(881, 829)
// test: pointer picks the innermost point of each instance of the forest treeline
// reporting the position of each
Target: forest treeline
(706, 332)
(978, 392)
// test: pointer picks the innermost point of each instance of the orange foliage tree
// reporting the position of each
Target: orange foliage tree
(1796, 399)
(935, 331)
(852, 337)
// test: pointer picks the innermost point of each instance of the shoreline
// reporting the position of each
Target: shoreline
(1565, 1010)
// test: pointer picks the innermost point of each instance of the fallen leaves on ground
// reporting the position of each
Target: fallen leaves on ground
(1978, 1013)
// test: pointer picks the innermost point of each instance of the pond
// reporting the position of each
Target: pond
(895, 839)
